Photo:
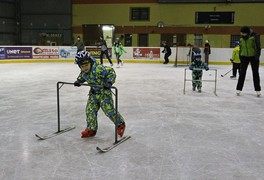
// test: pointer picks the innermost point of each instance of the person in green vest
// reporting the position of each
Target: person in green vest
(248, 54)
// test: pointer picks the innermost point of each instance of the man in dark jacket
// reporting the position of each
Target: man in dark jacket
(104, 50)
(207, 52)
(167, 51)
(79, 44)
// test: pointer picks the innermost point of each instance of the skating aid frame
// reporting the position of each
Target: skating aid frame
(215, 79)
(59, 131)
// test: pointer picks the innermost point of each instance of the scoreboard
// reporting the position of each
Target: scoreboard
(214, 17)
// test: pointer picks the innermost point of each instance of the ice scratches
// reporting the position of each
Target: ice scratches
(58, 164)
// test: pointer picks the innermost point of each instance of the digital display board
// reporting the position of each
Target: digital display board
(214, 17)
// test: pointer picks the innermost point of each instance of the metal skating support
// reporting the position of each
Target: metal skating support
(215, 79)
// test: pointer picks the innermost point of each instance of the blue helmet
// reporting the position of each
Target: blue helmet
(237, 43)
(197, 55)
(83, 57)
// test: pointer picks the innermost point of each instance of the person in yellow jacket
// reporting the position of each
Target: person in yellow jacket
(235, 60)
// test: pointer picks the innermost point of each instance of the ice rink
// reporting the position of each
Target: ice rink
(176, 136)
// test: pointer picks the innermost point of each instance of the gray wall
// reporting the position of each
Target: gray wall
(25, 21)
(8, 26)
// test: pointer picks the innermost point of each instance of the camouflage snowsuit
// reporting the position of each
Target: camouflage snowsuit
(196, 66)
(99, 97)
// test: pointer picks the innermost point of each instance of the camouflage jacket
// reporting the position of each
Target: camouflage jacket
(98, 75)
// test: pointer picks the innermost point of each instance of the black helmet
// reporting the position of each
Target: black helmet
(245, 29)
(83, 57)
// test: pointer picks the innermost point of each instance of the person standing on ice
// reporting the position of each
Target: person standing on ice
(79, 44)
(207, 52)
(249, 53)
(99, 97)
(197, 67)
(104, 51)
(166, 51)
(118, 50)
(235, 60)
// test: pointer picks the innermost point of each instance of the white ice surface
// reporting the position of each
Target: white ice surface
(174, 136)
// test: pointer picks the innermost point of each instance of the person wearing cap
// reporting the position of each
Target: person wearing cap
(248, 54)
(100, 95)
(207, 52)
(235, 60)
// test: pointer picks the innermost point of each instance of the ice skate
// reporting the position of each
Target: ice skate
(258, 93)
(238, 92)
(193, 88)
(232, 77)
(121, 129)
(199, 90)
(88, 133)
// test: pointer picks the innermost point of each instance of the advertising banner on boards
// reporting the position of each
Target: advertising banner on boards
(96, 52)
(67, 52)
(146, 53)
(45, 52)
(2, 53)
(18, 52)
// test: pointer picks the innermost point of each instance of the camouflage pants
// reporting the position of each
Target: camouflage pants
(196, 80)
(95, 101)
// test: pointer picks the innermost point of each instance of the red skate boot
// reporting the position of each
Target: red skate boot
(88, 133)
(121, 129)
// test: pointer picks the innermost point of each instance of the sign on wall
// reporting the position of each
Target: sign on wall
(96, 52)
(2, 53)
(18, 52)
(68, 52)
(146, 53)
(45, 52)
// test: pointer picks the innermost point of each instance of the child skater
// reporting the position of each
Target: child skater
(197, 67)
(235, 60)
(99, 97)
(119, 50)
